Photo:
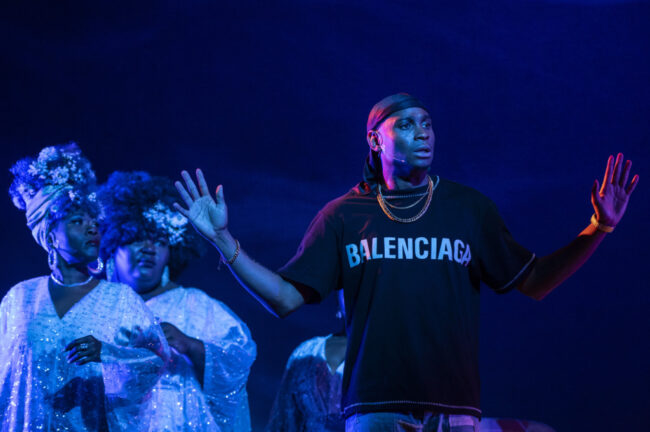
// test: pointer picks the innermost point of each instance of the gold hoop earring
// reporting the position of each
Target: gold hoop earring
(51, 258)
(98, 268)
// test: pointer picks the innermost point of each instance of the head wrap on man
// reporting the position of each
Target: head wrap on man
(389, 106)
(378, 114)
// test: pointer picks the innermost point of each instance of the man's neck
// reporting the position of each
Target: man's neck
(415, 178)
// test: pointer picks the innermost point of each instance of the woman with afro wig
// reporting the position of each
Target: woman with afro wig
(147, 244)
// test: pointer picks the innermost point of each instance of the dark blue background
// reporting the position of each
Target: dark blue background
(270, 99)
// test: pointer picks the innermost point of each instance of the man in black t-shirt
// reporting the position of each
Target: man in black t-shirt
(410, 251)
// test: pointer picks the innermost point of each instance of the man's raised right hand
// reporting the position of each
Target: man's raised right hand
(209, 216)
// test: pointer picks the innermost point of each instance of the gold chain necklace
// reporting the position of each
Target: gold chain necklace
(382, 203)
(415, 195)
(417, 201)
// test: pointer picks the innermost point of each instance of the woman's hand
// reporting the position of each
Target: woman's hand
(192, 348)
(84, 350)
(209, 216)
(611, 200)
(177, 339)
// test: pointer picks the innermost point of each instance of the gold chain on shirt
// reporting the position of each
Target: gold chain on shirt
(384, 205)
(405, 207)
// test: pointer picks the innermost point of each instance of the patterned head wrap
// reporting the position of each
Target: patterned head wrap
(37, 209)
(49, 186)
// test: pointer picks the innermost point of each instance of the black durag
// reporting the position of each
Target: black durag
(380, 112)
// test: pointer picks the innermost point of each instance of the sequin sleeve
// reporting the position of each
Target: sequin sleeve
(19, 405)
(3, 323)
(5, 359)
(229, 354)
(133, 361)
(5, 364)
(41, 390)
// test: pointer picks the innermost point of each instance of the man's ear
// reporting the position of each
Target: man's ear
(374, 140)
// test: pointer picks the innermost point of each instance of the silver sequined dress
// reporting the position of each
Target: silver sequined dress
(229, 354)
(40, 391)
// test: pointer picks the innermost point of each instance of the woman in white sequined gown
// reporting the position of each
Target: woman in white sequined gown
(76, 353)
(146, 242)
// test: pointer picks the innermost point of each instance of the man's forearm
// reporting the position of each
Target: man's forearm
(276, 294)
(551, 270)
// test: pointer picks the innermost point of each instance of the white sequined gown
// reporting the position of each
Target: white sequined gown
(40, 391)
(180, 403)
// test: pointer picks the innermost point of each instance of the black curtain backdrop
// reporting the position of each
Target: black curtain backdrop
(270, 99)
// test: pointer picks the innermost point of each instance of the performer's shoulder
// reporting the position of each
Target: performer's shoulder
(351, 197)
(190, 295)
(26, 286)
(309, 348)
(358, 195)
(194, 298)
(120, 290)
(458, 191)
(32, 283)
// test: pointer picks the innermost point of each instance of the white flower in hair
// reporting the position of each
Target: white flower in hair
(38, 169)
(46, 154)
(170, 222)
(32, 170)
(60, 175)
(73, 170)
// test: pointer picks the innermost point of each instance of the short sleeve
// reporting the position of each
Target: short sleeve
(316, 264)
(502, 262)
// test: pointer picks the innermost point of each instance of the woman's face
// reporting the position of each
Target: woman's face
(141, 264)
(76, 238)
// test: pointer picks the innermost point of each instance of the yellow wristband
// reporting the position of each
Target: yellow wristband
(599, 226)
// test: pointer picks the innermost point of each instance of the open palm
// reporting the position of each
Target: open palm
(611, 200)
(208, 215)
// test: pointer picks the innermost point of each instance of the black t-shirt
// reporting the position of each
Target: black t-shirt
(411, 293)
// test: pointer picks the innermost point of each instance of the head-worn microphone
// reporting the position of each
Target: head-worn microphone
(382, 149)
(392, 157)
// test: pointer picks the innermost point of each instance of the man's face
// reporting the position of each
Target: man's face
(407, 140)
(76, 238)
(140, 264)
